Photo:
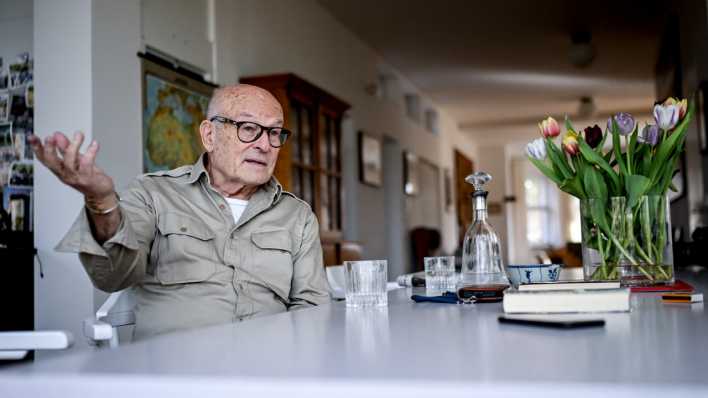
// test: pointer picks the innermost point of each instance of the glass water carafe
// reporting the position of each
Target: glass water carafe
(481, 251)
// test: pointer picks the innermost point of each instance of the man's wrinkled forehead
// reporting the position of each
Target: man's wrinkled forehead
(245, 101)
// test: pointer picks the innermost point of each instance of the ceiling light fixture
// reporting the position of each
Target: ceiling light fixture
(581, 52)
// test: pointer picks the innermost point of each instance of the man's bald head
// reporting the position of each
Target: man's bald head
(243, 99)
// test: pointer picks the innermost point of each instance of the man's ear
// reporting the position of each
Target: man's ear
(206, 131)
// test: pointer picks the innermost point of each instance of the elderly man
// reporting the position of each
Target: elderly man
(214, 242)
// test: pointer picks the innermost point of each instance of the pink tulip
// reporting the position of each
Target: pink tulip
(549, 128)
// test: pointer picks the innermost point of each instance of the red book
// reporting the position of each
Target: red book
(677, 286)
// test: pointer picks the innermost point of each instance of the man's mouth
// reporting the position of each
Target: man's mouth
(256, 162)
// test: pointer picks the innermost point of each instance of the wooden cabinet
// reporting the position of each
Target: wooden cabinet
(310, 163)
(465, 214)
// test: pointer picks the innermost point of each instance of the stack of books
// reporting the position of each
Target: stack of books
(567, 297)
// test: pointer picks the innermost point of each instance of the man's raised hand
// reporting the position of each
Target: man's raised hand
(75, 169)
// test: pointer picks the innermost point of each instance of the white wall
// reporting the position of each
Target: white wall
(178, 28)
(117, 106)
(62, 48)
(116, 92)
(15, 29)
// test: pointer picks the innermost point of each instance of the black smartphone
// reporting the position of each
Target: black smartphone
(553, 323)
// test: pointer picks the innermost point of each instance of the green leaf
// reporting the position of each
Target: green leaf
(547, 171)
(632, 146)
(599, 146)
(578, 164)
(666, 147)
(598, 214)
(568, 125)
(596, 191)
(642, 159)
(573, 186)
(593, 158)
(594, 184)
(636, 186)
(558, 159)
(617, 147)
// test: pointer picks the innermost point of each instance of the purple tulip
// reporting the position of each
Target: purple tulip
(649, 135)
(666, 116)
(625, 123)
(593, 135)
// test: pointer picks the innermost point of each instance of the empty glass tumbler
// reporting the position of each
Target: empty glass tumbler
(366, 283)
(440, 273)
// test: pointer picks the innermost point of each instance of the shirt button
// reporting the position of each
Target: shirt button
(222, 207)
(183, 229)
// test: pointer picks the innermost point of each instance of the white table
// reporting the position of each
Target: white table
(406, 350)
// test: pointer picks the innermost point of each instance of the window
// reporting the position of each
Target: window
(574, 227)
(413, 107)
(431, 121)
(541, 217)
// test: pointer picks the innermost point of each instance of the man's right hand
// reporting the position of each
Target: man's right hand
(79, 171)
(75, 169)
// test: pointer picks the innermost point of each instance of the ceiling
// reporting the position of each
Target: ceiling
(504, 62)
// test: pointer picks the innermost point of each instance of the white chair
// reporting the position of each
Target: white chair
(16, 345)
(116, 311)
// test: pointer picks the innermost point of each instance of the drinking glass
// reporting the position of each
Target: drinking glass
(440, 273)
(366, 283)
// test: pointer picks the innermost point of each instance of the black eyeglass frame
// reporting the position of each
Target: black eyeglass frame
(282, 136)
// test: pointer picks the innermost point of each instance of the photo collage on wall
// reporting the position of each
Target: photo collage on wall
(16, 126)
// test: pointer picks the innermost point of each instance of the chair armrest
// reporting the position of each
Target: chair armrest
(35, 340)
(97, 330)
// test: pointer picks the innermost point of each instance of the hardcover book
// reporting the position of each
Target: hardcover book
(570, 285)
(566, 301)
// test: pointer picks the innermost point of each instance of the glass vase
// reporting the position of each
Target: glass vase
(627, 242)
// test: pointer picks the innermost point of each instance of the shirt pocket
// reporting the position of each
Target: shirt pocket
(186, 249)
(272, 261)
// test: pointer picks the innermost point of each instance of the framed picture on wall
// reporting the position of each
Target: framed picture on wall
(174, 104)
(410, 173)
(447, 185)
(370, 160)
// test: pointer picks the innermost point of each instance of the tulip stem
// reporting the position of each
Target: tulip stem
(629, 157)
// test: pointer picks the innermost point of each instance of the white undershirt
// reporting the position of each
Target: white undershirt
(237, 207)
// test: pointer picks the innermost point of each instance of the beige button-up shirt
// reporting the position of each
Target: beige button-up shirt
(190, 265)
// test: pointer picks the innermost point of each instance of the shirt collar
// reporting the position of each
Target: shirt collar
(272, 189)
(198, 169)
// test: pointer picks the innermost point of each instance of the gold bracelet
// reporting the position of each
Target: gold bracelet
(103, 212)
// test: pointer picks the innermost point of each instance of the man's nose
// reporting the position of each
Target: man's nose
(263, 143)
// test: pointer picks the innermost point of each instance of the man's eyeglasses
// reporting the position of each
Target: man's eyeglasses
(249, 131)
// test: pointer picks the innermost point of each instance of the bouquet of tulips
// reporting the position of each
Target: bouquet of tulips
(622, 189)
